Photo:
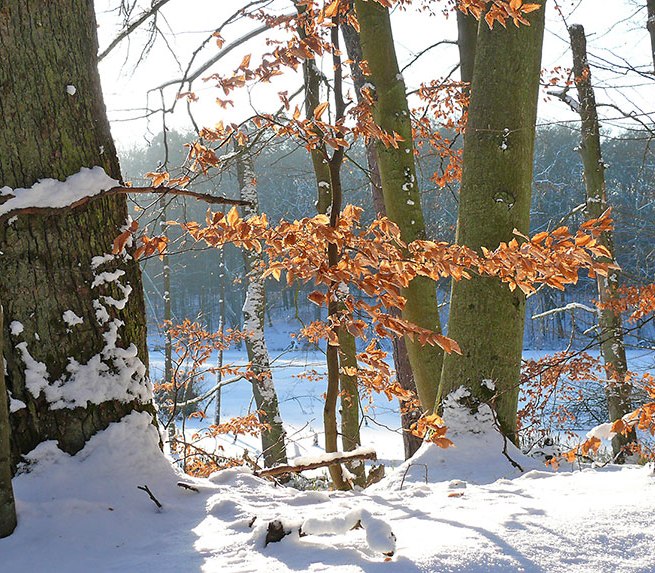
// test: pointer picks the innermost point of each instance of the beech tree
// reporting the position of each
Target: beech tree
(74, 333)
(486, 317)
(7, 504)
(610, 328)
(399, 185)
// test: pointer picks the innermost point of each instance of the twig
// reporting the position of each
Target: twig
(151, 495)
(187, 486)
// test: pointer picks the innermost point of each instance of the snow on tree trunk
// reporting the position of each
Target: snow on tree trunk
(609, 321)
(274, 438)
(77, 353)
(399, 185)
(404, 374)
(7, 504)
(486, 318)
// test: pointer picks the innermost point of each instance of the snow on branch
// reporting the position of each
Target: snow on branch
(51, 195)
(302, 464)
(570, 306)
(566, 98)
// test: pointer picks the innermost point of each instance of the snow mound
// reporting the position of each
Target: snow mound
(480, 455)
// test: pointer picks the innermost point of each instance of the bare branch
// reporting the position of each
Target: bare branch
(133, 26)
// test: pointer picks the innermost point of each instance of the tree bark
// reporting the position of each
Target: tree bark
(650, 25)
(467, 36)
(404, 375)
(52, 123)
(399, 185)
(486, 318)
(609, 321)
(7, 504)
(274, 446)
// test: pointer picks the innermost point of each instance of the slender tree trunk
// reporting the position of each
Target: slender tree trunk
(327, 177)
(467, 36)
(400, 186)
(7, 504)
(404, 375)
(274, 438)
(651, 26)
(168, 316)
(609, 321)
(52, 123)
(486, 318)
(221, 330)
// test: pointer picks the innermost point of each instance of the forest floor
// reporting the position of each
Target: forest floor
(464, 509)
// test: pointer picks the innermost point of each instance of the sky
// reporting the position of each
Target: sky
(615, 29)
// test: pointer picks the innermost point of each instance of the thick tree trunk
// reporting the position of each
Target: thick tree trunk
(274, 446)
(400, 186)
(52, 123)
(404, 375)
(609, 321)
(7, 504)
(486, 318)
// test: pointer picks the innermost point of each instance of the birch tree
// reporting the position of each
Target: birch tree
(274, 436)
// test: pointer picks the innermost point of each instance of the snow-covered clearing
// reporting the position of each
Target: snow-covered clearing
(474, 514)
(465, 509)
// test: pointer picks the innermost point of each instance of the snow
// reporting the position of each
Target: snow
(71, 319)
(71, 89)
(84, 513)
(602, 432)
(16, 328)
(51, 193)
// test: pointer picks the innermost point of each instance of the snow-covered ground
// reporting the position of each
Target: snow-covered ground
(465, 509)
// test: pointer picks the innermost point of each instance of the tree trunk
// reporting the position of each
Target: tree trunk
(52, 123)
(467, 36)
(7, 504)
(274, 438)
(651, 26)
(609, 321)
(399, 185)
(404, 375)
(346, 357)
(486, 318)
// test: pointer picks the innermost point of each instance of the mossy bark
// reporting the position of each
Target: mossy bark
(49, 130)
(486, 318)
(609, 321)
(404, 375)
(399, 185)
(7, 504)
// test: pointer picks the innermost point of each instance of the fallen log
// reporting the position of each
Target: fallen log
(307, 463)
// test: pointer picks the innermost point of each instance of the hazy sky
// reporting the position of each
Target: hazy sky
(615, 28)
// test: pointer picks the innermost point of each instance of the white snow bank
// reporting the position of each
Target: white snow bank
(52, 193)
(85, 513)
(476, 457)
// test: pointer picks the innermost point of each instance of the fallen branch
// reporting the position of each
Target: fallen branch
(323, 461)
